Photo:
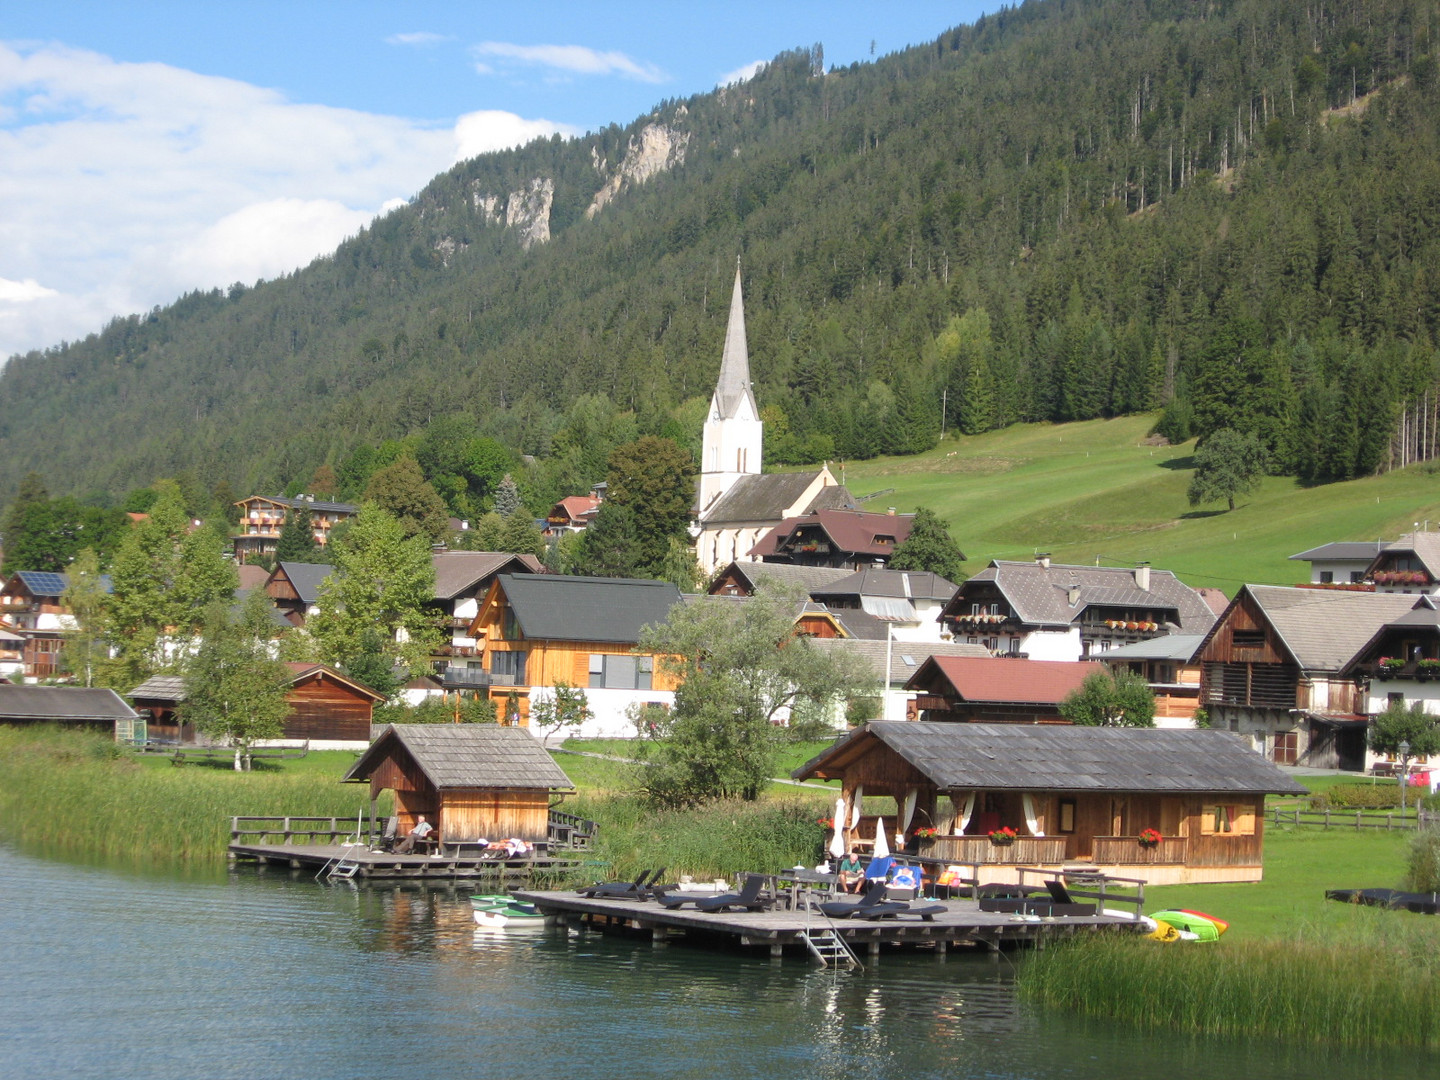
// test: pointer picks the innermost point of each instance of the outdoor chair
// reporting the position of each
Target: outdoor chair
(747, 898)
(896, 910)
(621, 890)
(387, 837)
(844, 909)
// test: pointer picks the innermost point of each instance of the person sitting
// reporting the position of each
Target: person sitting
(851, 875)
(418, 834)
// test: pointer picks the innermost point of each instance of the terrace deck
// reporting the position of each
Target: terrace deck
(378, 865)
(961, 924)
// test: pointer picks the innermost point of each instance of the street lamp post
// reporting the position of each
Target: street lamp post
(1404, 750)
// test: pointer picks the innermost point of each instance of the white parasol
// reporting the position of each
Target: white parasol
(837, 842)
(882, 847)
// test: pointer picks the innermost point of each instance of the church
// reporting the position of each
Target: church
(736, 506)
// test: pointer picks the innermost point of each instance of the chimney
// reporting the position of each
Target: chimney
(1142, 577)
(1073, 593)
(1043, 558)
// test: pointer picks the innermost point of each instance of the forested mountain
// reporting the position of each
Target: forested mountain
(1067, 210)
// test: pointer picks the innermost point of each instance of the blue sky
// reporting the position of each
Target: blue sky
(151, 148)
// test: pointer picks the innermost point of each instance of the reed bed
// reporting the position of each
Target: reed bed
(716, 840)
(81, 794)
(1374, 983)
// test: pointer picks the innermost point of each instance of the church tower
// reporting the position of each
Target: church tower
(732, 437)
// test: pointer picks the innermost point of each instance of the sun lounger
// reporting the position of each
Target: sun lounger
(844, 909)
(896, 910)
(622, 890)
(748, 897)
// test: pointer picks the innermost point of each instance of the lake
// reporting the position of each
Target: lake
(114, 974)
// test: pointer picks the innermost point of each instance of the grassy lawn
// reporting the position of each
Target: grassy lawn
(1095, 490)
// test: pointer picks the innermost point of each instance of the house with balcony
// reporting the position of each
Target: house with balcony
(32, 603)
(993, 690)
(904, 660)
(1168, 806)
(462, 580)
(534, 631)
(574, 513)
(908, 602)
(1052, 611)
(1400, 663)
(263, 516)
(1272, 670)
(1408, 565)
(1344, 562)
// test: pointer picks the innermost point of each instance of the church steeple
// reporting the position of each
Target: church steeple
(733, 432)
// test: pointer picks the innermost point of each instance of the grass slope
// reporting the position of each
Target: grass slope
(1095, 490)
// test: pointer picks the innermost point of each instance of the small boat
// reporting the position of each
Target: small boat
(502, 912)
(1203, 927)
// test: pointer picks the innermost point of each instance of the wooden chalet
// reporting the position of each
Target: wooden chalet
(31, 602)
(462, 581)
(848, 538)
(744, 578)
(574, 513)
(474, 782)
(73, 706)
(537, 630)
(1271, 670)
(1410, 564)
(1169, 666)
(326, 708)
(1073, 795)
(295, 589)
(263, 516)
(993, 690)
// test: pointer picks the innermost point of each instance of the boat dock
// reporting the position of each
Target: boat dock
(961, 924)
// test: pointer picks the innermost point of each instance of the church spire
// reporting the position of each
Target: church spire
(733, 386)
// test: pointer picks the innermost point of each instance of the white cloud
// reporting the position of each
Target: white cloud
(743, 74)
(576, 58)
(419, 39)
(490, 129)
(125, 185)
(22, 292)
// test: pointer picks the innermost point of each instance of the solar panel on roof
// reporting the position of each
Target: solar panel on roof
(43, 582)
(909, 660)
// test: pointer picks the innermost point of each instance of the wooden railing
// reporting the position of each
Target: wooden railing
(1127, 850)
(287, 830)
(981, 849)
(1103, 889)
(570, 832)
(1358, 819)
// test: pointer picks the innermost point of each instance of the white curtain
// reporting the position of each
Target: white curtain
(1031, 821)
(908, 814)
(855, 801)
(963, 816)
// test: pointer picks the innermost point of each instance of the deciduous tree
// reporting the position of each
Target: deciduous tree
(1228, 464)
(403, 492)
(930, 547)
(1104, 700)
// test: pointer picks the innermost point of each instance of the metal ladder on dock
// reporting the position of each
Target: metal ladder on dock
(829, 949)
(345, 866)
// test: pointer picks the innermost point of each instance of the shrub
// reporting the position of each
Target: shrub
(1380, 796)
(1422, 872)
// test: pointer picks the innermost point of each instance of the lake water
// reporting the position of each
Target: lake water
(109, 974)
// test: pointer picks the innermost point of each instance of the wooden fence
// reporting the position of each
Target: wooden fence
(1357, 819)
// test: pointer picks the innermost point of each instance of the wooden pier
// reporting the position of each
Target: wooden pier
(961, 925)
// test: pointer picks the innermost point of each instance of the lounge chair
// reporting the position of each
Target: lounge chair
(879, 869)
(844, 909)
(896, 910)
(623, 890)
(747, 898)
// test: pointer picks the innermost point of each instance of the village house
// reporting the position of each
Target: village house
(850, 539)
(1048, 611)
(904, 658)
(31, 602)
(1073, 796)
(295, 589)
(1272, 671)
(72, 706)
(744, 578)
(1408, 565)
(475, 783)
(574, 513)
(462, 579)
(535, 631)
(1169, 666)
(1345, 562)
(908, 602)
(735, 504)
(12, 654)
(989, 689)
(1400, 663)
(329, 710)
(263, 516)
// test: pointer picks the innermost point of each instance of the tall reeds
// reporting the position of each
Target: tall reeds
(79, 793)
(1373, 981)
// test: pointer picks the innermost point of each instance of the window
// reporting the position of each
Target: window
(1327, 577)
(510, 626)
(1248, 639)
(1228, 819)
(1357, 576)
(508, 668)
(616, 672)
(1014, 645)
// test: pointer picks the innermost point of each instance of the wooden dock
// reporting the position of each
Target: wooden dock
(521, 872)
(962, 924)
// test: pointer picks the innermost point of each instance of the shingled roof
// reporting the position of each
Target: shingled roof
(1342, 550)
(458, 571)
(761, 574)
(467, 756)
(306, 578)
(1324, 628)
(881, 581)
(906, 657)
(1424, 546)
(62, 703)
(995, 757)
(169, 688)
(557, 607)
(1040, 594)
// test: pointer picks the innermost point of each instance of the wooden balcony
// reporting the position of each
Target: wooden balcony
(1127, 850)
(1025, 851)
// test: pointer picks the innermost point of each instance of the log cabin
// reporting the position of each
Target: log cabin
(992, 689)
(1073, 795)
(473, 782)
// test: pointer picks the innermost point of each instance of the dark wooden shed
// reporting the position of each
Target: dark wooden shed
(474, 782)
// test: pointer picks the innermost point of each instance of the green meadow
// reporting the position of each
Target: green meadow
(1098, 491)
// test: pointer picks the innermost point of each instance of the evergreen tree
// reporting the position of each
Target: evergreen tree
(652, 479)
(930, 547)
(297, 542)
(507, 497)
(610, 545)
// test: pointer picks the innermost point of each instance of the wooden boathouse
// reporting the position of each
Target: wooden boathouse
(1165, 805)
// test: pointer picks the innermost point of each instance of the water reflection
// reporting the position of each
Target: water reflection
(116, 975)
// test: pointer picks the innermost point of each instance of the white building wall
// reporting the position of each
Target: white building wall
(609, 708)
(1051, 644)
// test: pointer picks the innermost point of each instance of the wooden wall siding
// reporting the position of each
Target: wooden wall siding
(1331, 696)
(1244, 616)
(884, 772)
(321, 709)
(551, 662)
(281, 589)
(1268, 686)
(1112, 850)
(469, 815)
